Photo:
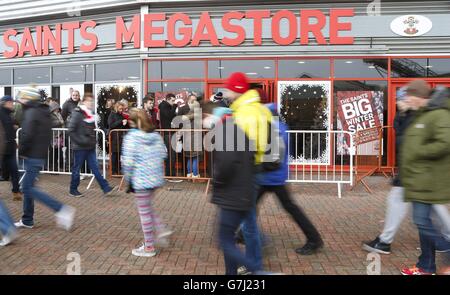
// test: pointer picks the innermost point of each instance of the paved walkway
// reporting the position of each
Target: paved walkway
(107, 229)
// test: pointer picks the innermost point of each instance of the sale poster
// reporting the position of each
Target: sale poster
(361, 113)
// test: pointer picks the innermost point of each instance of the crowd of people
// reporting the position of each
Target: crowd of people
(243, 170)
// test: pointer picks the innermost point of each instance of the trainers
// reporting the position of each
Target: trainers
(144, 251)
(309, 248)
(65, 217)
(189, 175)
(415, 271)
(20, 224)
(17, 197)
(76, 194)
(8, 238)
(164, 233)
(377, 246)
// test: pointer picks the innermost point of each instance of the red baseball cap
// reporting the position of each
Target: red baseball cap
(237, 82)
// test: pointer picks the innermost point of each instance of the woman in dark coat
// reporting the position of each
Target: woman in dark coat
(116, 121)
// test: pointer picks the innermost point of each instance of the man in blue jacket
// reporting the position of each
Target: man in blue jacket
(275, 181)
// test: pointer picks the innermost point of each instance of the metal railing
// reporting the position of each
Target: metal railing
(319, 157)
(60, 155)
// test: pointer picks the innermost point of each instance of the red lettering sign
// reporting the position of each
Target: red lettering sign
(178, 30)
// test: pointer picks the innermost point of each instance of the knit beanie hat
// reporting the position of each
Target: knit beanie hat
(237, 82)
(29, 93)
(418, 88)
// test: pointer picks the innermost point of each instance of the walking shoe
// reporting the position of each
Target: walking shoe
(20, 224)
(377, 246)
(17, 197)
(76, 194)
(65, 217)
(309, 248)
(144, 251)
(8, 238)
(189, 175)
(415, 271)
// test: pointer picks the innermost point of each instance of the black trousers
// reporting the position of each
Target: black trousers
(293, 209)
(170, 162)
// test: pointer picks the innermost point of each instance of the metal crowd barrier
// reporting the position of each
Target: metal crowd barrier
(321, 157)
(60, 155)
(178, 160)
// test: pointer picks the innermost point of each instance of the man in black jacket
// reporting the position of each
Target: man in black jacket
(82, 134)
(167, 112)
(70, 105)
(34, 141)
(9, 157)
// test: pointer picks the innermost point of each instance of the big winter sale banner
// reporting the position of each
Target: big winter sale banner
(360, 112)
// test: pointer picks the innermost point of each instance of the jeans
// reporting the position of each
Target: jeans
(396, 211)
(32, 169)
(80, 157)
(252, 236)
(428, 236)
(295, 211)
(10, 164)
(192, 165)
(6, 221)
(229, 221)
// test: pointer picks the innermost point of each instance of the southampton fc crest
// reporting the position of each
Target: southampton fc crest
(411, 23)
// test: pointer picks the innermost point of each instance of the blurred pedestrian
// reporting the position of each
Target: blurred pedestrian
(424, 172)
(36, 136)
(83, 136)
(142, 163)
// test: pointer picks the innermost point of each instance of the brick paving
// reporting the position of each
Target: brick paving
(106, 230)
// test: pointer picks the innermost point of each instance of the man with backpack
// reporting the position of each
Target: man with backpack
(253, 118)
(275, 181)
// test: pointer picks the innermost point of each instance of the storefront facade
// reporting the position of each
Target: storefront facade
(324, 64)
